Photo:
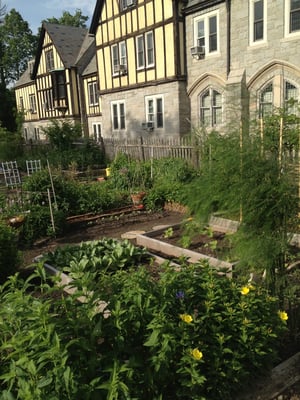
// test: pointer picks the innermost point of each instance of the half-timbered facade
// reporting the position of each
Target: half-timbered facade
(141, 67)
(51, 87)
(242, 59)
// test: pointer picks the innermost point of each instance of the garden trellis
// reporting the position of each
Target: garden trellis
(33, 166)
(11, 174)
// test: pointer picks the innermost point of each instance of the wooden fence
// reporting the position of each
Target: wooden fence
(146, 149)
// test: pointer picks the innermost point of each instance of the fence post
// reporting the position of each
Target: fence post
(142, 152)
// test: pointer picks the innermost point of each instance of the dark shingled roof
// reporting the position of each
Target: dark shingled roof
(67, 40)
(74, 45)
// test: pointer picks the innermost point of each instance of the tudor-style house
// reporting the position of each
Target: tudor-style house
(242, 59)
(141, 67)
(52, 87)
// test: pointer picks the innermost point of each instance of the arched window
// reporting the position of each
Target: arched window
(211, 108)
(266, 101)
(290, 98)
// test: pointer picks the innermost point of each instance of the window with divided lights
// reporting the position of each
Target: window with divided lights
(49, 60)
(119, 58)
(211, 108)
(59, 85)
(294, 15)
(93, 93)
(206, 32)
(48, 100)
(145, 50)
(32, 103)
(118, 115)
(125, 4)
(280, 95)
(258, 23)
(290, 98)
(266, 101)
(154, 111)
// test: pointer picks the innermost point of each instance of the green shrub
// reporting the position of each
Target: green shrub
(9, 254)
(190, 334)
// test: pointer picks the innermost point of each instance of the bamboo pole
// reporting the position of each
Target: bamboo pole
(280, 143)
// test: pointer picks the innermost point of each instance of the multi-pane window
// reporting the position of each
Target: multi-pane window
(211, 108)
(32, 103)
(96, 131)
(118, 115)
(258, 22)
(49, 60)
(59, 85)
(145, 50)
(155, 111)
(93, 93)
(290, 98)
(48, 100)
(36, 133)
(206, 32)
(279, 93)
(294, 15)
(127, 4)
(266, 101)
(119, 58)
(21, 102)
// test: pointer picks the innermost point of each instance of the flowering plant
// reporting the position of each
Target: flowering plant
(189, 334)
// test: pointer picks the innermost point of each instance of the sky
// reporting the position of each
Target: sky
(34, 11)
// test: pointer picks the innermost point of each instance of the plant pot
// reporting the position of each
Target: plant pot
(137, 198)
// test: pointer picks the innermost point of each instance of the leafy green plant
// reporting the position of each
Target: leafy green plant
(168, 233)
(186, 334)
(9, 254)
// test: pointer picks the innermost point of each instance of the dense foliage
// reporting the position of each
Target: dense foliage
(191, 334)
(9, 254)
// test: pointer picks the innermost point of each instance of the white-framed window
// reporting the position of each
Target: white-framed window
(206, 32)
(125, 4)
(48, 100)
(210, 112)
(93, 93)
(32, 103)
(155, 110)
(118, 115)
(21, 103)
(119, 58)
(145, 50)
(97, 129)
(258, 21)
(292, 17)
(49, 60)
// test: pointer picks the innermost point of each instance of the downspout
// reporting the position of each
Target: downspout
(228, 53)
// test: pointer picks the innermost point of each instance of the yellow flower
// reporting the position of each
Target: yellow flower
(186, 318)
(245, 290)
(283, 315)
(197, 354)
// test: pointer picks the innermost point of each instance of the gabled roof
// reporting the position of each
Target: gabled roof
(25, 78)
(67, 41)
(96, 16)
(91, 68)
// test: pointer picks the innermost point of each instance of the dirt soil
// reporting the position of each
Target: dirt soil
(109, 226)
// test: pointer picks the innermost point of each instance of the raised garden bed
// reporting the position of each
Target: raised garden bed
(166, 242)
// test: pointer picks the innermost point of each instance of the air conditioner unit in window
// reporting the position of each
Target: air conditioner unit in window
(198, 51)
(149, 126)
(121, 68)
